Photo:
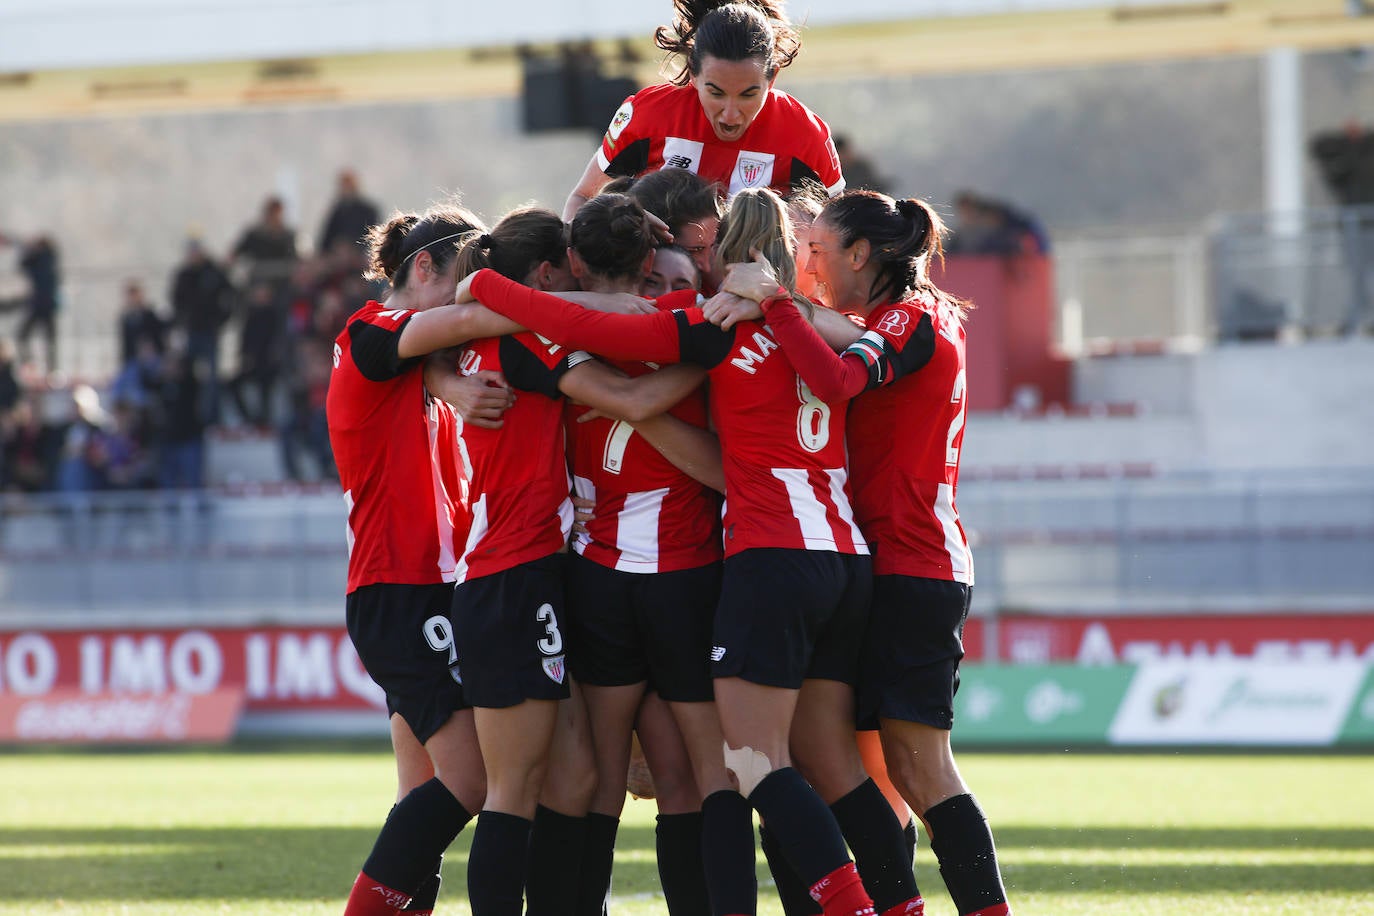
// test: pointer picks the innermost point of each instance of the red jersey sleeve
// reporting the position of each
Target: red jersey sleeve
(900, 340)
(652, 337)
(374, 343)
(825, 159)
(830, 376)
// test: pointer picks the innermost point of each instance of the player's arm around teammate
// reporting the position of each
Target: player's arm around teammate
(795, 587)
(400, 574)
(508, 604)
(871, 255)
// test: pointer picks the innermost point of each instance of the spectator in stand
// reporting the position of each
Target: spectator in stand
(306, 424)
(138, 381)
(349, 218)
(989, 226)
(82, 459)
(180, 433)
(202, 300)
(29, 446)
(267, 248)
(858, 169)
(138, 322)
(10, 389)
(260, 339)
(40, 264)
(128, 461)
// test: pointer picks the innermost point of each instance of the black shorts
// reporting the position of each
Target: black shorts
(624, 628)
(403, 636)
(788, 615)
(912, 654)
(510, 647)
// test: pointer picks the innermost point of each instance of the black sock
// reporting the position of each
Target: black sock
(909, 832)
(598, 858)
(795, 896)
(874, 835)
(496, 864)
(557, 842)
(427, 894)
(962, 842)
(416, 833)
(804, 826)
(727, 853)
(680, 870)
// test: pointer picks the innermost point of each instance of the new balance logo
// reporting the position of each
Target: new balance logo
(678, 162)
(717, 653)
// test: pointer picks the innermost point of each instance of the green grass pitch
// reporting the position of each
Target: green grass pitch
(279, 831)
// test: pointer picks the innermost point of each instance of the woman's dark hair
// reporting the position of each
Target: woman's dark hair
(523, 239)
(904, 237)
(392, 245)
(729, 31)
(677, 197)
(612, 234)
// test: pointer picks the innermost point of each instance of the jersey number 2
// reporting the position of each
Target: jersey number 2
(957, 424)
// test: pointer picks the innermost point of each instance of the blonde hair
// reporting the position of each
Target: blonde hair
(758, 220)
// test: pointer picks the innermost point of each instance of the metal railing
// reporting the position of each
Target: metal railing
(1243, 276)
(1178, 542)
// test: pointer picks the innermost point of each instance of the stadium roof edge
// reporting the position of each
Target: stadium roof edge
(937, 44)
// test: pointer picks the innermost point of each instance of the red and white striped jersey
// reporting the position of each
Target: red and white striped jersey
(649, 516)
(905, 439)
(390, 442)
(517, 475)
(783, 448)
(664, 126)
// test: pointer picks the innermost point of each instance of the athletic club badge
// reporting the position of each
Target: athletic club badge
(750, 171)
(555, 668)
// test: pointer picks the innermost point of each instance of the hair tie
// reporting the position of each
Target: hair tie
(485, 241)
(908, 208)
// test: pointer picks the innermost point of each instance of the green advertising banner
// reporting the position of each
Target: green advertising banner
(1038, 704)
(1359, 724)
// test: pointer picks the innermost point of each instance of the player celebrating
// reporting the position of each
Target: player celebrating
(383, 427)
(870, 254)
(720, 117)
(508, 601)
(796, 573)
(645, 577)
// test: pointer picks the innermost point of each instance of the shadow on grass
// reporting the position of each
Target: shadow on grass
(1220, 838)
(296, 863)
(300, 863)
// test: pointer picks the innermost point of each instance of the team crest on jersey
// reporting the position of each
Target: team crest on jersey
(622, 117)
(750, 171)
(555, 668)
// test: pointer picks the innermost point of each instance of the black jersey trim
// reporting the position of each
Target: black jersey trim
(702, 343)
(632, 160)
(376, 351)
